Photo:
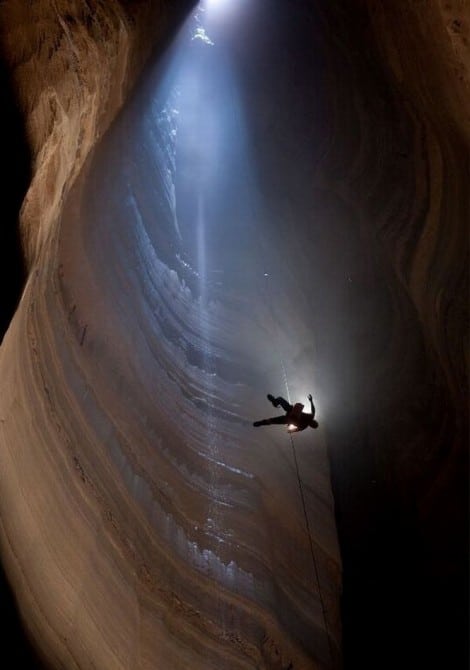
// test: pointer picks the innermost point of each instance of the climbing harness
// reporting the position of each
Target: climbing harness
(293, 416)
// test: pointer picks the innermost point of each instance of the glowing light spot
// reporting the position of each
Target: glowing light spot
(215, 3)
(219, 9)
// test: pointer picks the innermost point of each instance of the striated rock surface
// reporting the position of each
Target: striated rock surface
(286, 213)
(73, 64)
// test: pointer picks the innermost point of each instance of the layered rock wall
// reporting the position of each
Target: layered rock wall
(72, 66)
(371, 225)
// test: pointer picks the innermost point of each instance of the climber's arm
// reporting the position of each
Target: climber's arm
(312, 406)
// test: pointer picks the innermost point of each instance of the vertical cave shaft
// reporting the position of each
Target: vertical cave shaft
(279, 206)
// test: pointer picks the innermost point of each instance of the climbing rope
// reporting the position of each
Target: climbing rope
(312, 550)
(299, 480)
(269, 302)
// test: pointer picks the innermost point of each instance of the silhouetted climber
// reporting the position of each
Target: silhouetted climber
(294, 417)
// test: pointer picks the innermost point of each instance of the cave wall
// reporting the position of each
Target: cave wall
(389, 164)
(71, 65)
(388, 175)
(405, 434)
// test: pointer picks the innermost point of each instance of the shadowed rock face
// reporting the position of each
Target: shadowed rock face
(285, 212)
